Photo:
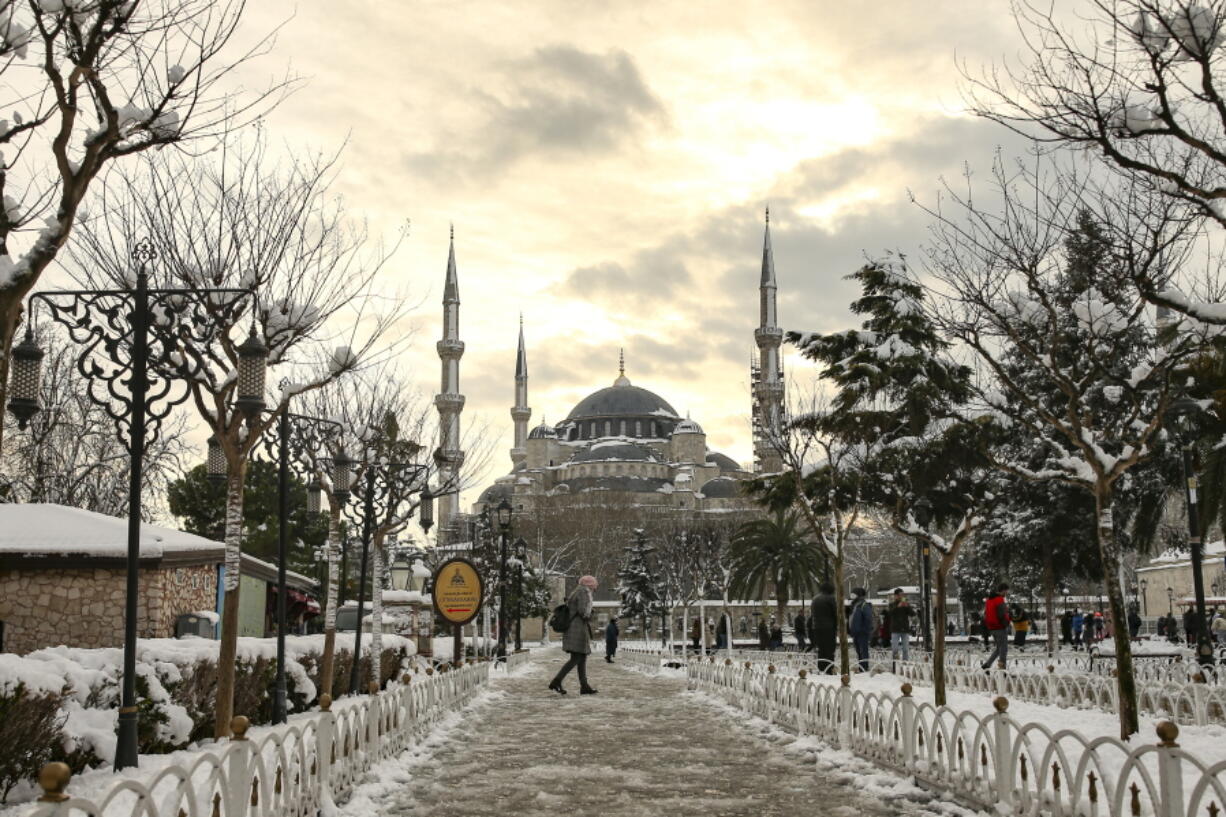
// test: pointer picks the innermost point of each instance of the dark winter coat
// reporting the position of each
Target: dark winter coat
(824, 622)
(611, 633)
(800, 627)
(764, 635)
(861, 622)
(899, 617)
(578, 636)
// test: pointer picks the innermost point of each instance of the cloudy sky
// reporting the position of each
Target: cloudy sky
(606, 166)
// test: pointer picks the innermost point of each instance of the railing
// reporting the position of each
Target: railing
(1190, 701)
(644, 658)
(993, 763)
(515, 660)
(295, 770)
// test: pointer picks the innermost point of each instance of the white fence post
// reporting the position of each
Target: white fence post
(238, 790)
(373, 711)
(844, 709)
(1170, 775)
(1002, 751)
(906, 706)
(325, 737)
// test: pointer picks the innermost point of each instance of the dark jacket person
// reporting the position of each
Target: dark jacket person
(824, 626)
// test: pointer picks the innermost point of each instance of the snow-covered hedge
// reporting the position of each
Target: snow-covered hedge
(70, 696)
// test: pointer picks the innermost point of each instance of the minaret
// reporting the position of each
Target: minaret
(520, 412)
(768, 376)
(449, 401)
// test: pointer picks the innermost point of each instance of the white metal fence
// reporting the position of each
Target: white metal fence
(993, 762)
(293, 770)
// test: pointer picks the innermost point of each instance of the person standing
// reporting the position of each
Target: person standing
(801, 628)
(577, 640)
(1134, 623)
(721, 632)
(1078, 624)
(860, 626)
(611, 633)
(696, 634)
(1021, 627)
(1066, 628)
(996, 620)
(764, 635)
(1189, 625)
(899, 619)
(824, 627)
(1218, 628)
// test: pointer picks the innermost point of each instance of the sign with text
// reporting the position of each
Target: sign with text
(458, 591)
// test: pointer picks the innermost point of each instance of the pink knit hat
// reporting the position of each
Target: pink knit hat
(588, 581)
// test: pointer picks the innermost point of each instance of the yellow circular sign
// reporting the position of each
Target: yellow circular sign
(458, 591)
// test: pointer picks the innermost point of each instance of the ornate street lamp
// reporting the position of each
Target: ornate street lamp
(402, 573)
(1170, 601)
(314, 495)
(503, 515)
(135, 369)
(252, 369)
(1180, 416)
(425, 513)
(521, 553)
(296, 441)
(342, 477)
(1144, 599)
(216, 467)
(25, 380)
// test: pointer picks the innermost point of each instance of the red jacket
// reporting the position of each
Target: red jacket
(996, 613)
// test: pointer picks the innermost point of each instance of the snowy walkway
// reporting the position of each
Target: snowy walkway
(642, 746)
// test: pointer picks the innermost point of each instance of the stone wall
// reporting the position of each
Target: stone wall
(84, 607)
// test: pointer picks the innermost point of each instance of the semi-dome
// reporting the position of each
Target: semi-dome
(722, 488)
(622, 400)
(496, 493)
(687, 426)
(543, 432)
(613, 450)
(724, 462)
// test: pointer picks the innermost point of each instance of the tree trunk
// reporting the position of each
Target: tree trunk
(840, 612)
(938, 633)
(10, 314)
(327, 665)
(376, 611)
(1125, 681)
(1049, 593)
(228, 650)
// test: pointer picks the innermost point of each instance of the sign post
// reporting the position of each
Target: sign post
(458, 591)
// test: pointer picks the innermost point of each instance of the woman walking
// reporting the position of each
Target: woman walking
(577, 640)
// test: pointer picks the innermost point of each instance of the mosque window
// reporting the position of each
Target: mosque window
(638, 428)
(608, 428)
(654, 433)
(622, 430)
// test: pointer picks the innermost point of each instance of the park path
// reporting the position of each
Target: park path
(642, 746)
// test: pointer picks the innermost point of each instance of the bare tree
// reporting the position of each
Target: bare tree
(91, 82)
(1042, 289)
(242, 220)
(1139, 84)
(70, 453)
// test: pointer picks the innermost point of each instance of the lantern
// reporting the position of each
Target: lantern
(252, 367)
(401, 571)
(216, 466)
(504, 514)
(313, 489)
(427, 509)
(25, 379)
(342, 477)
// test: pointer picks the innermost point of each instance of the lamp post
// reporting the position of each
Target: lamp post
(1181, 413)
(387, 486)
(401, 571)
(1170, 601)
(521, 553)
(504, 527)
(1144, 598)
(297, 439)
(132, 340)
(922, 510)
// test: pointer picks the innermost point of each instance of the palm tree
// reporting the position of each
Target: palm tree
(773, 551)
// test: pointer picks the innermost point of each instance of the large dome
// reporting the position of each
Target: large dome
(622, 401)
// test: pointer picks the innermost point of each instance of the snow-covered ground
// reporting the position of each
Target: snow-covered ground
(641, 746)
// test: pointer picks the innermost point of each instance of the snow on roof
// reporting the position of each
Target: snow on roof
(1175, 556)
(47, 529)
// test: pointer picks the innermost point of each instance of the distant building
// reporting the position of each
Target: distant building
(63, 580)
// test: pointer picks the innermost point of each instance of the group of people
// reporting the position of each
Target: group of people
(1168, 627)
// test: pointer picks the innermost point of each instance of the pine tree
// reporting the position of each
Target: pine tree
(636, 581)
(901, 397)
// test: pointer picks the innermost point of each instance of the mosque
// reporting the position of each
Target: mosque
(622, 438)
